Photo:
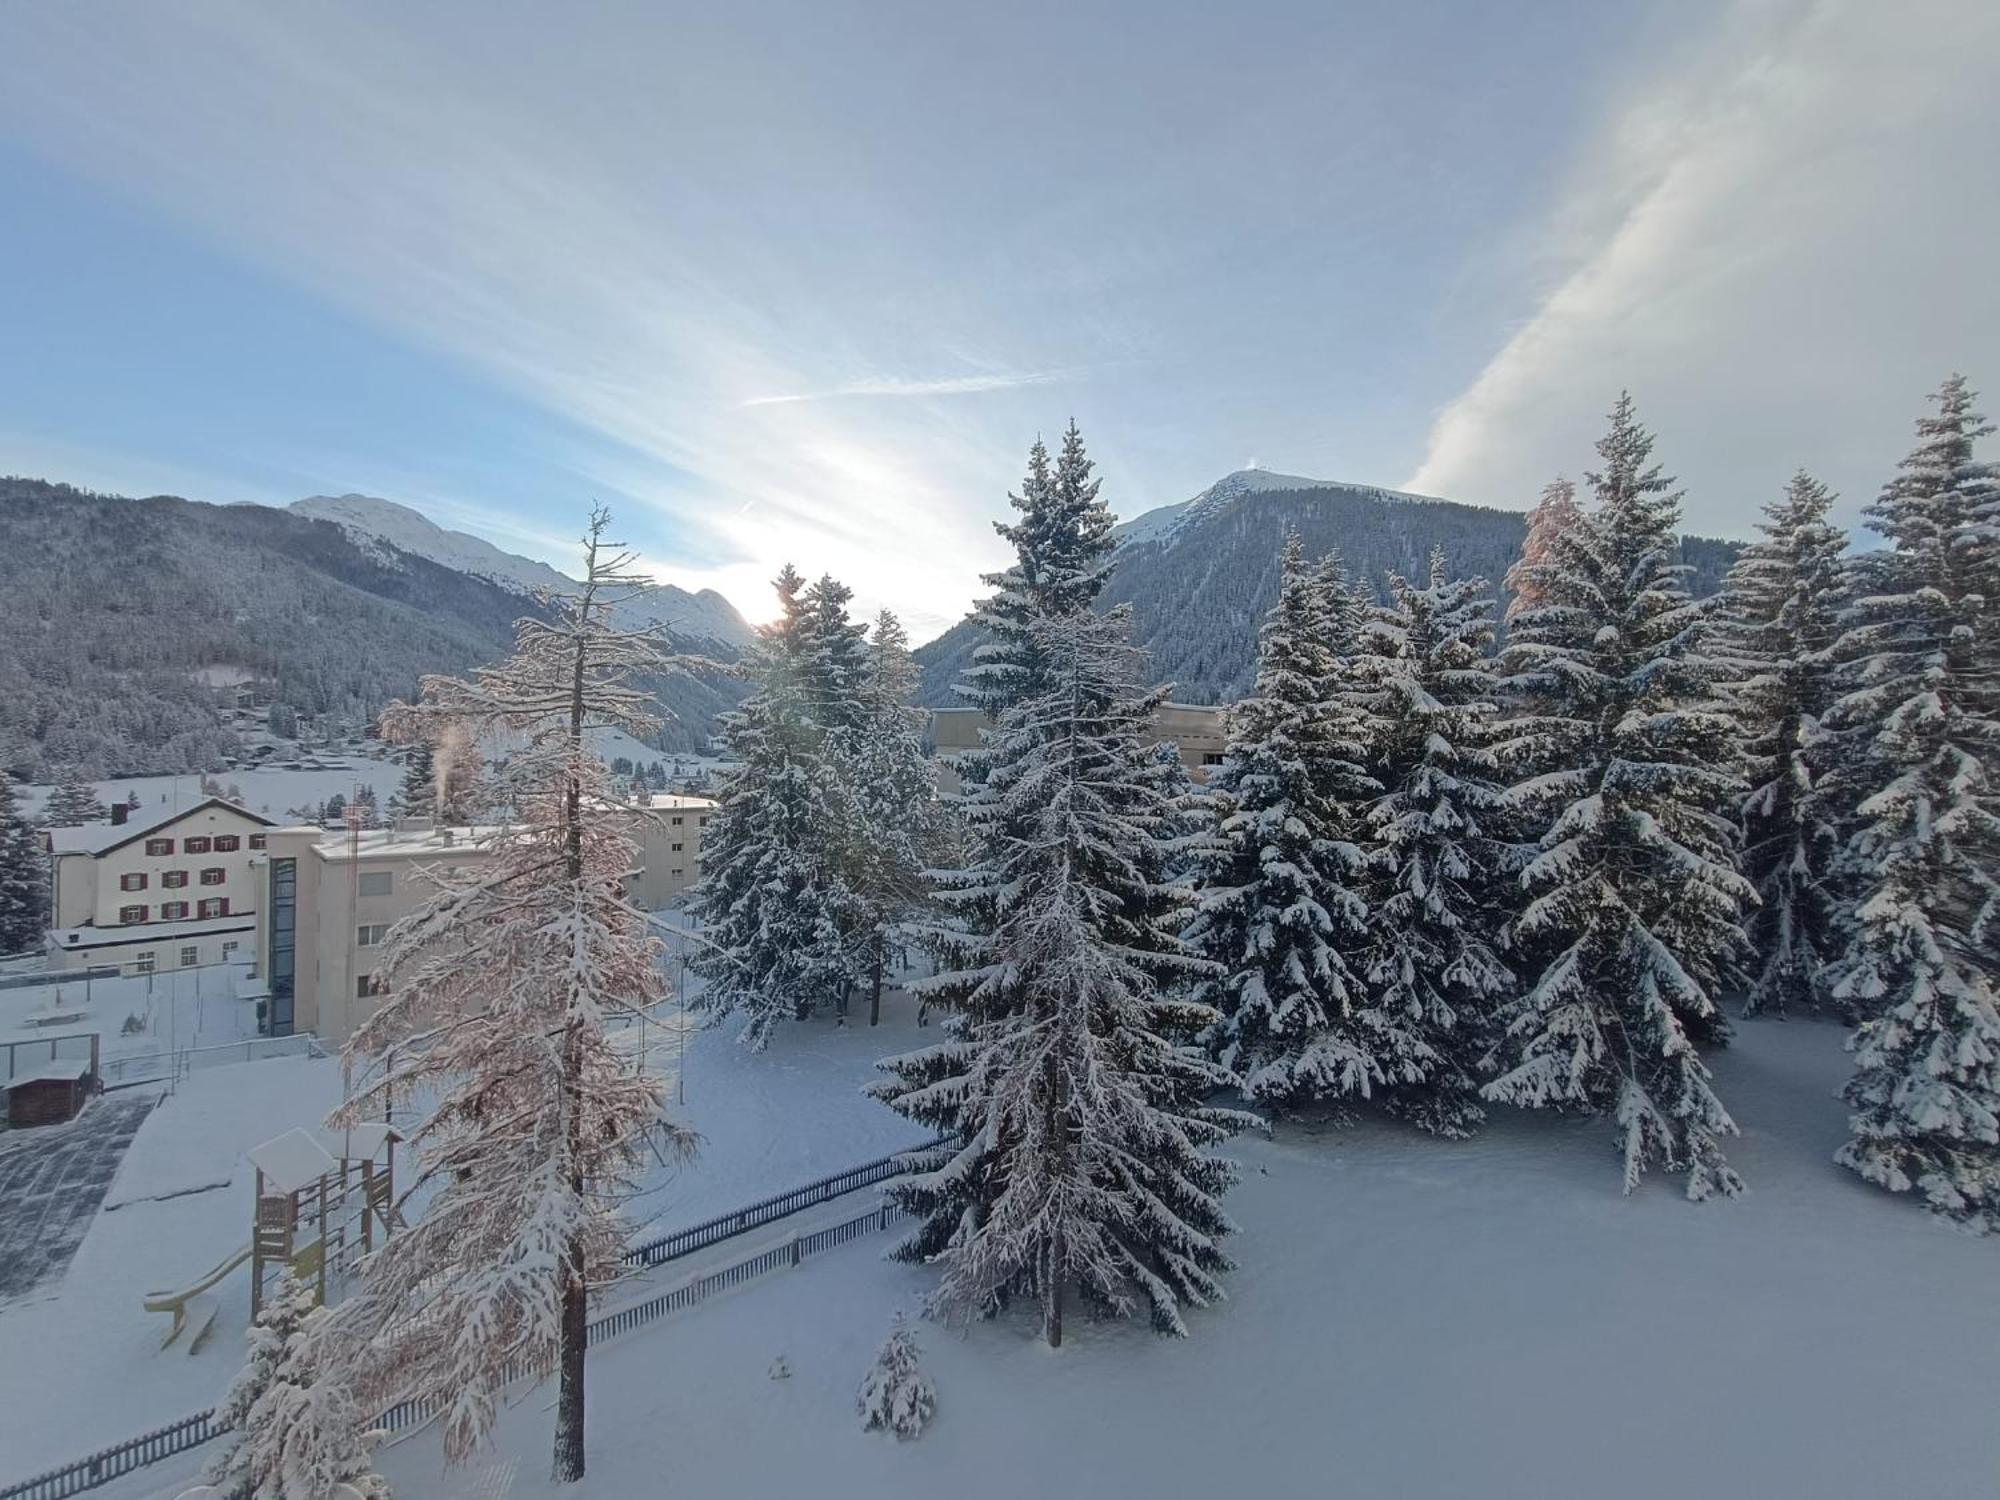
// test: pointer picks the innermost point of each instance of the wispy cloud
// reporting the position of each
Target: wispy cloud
(1791, 246)
(955, 385)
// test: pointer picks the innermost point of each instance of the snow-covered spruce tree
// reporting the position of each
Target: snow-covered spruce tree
(1069, 1072)
(1435, 863)
(512, 998)
(772, 899)
(416, 794)
(24, 884)
(1926, 944)
(294, 1430)
(1552, 515)
(74, 801)
(1776, 633)
(1633, 898)
(897, 825)
(896, 1395)
(1280, 913)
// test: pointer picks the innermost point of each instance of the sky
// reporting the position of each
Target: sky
(802, 281)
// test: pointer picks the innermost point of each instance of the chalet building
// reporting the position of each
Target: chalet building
(1199, 731)
(166, 890)
(330, 897)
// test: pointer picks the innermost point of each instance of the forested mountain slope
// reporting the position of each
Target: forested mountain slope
(1201, 574)
(114, 607)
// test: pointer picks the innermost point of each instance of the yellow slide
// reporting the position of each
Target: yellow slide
(194, 1307)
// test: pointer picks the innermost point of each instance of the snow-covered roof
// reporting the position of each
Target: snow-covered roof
(149, 932)
(102, 838)
(423, 838)
(674, 802)
(56, 1070)
(292, 1161)
(361, 1142)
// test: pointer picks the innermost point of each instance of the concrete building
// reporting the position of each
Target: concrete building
(1199, 731)
(166, 890)
(331, 897)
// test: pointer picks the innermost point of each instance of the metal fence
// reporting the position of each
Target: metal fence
(191, 1432)
(714, 1231)
(163, 1063)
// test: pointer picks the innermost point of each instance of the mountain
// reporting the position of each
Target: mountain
(378, 524)
(1200, 575)
(121, 613)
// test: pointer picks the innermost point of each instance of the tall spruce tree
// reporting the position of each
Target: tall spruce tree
(897, 825)
(416, 794)
(24, 882)
(1926, 941)
(1068, 1074)
(1779, 624)
(74, 801)
(773, 899)
(1633, 898)
(1435, 862)
(1280, 915)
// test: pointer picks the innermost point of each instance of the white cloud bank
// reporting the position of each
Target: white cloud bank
(1796, 244)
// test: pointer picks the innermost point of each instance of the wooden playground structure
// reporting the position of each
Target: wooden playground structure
(321, 1201)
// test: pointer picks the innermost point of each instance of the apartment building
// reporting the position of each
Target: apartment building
(154, 891)
(331, 897)
(1199, 731)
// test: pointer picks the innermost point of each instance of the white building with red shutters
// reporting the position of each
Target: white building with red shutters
(167, 890)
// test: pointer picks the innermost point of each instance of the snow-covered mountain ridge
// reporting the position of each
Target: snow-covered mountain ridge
(374, 523)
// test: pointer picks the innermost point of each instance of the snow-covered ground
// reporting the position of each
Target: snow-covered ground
(1410, 1318)
(167, 1012)
(270, 790)
(181, 1203)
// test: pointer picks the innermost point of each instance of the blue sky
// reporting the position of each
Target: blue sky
(803, 280)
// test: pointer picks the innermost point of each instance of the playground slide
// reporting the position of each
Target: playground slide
(192, 1307)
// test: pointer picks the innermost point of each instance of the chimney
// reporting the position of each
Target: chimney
(119, 813)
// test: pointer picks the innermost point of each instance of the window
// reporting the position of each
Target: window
(677, 822)
(368, 986)
(131, 882)
(377, 882)
(142, 963)
(173, 880)
(173, 911)
(194, 846)
(371, 935)
(190, 956)
(256, 841)
(677, 848)
(227, 843)
(214, 875)
(677, 874)
(228, 951)
(215, 906)
(1211, 758)
(131, 913)
(159, 846)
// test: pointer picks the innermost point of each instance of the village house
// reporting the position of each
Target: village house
(155, 891)
(1199, 731)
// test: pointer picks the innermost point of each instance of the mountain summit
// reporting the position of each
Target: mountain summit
(1201, 574)
(374, 523)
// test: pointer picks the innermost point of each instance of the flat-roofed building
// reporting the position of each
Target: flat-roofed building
(155, 891)
(331, 897)
(1199, 731)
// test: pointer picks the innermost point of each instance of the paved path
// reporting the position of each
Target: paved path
(52, 1180)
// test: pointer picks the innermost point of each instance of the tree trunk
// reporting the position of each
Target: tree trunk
(1052, 1295)
(875, 990)
(568, 1465)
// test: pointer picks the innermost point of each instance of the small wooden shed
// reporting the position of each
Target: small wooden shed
(50, 1092)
